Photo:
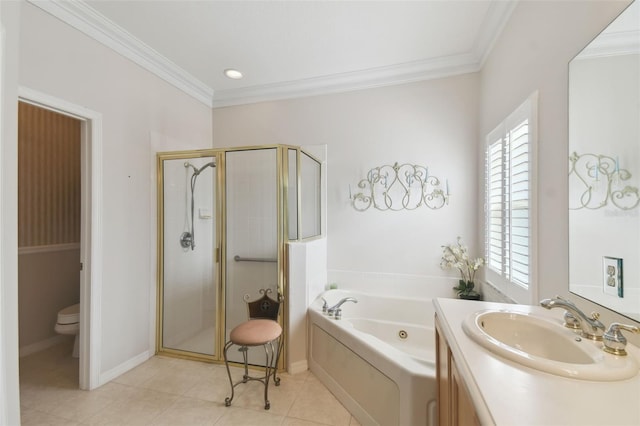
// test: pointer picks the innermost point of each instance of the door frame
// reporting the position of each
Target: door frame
(90, 228)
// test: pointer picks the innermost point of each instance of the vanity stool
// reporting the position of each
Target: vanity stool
(262, 329)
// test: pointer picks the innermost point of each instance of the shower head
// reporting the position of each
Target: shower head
(197, 171)
(187, 239)
(211, 164)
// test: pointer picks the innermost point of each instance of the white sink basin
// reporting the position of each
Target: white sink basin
(543, 344)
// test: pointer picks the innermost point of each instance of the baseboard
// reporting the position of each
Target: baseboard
(43, 344)
(107, 376)
(298, 367)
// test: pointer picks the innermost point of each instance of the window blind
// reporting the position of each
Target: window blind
(518, 206)
(508, 201)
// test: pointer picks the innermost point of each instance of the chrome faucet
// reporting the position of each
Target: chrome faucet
(335, 309)
(325, 305)
(590, 328)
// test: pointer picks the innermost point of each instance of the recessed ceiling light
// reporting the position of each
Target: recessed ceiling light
(234, 74)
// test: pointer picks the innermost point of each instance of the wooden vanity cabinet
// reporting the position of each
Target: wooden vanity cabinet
(454, 403)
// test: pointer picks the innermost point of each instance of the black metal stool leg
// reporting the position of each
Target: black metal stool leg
(276, 379)
(269, 358)
(227, 401)
(245, 360)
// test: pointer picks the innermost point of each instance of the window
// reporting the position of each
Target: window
(510, 204)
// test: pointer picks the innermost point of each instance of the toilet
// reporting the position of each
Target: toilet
(69, 323)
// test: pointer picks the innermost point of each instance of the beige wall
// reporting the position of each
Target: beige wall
(533, 53)
(430, 123)
(49, 281)
(141, 114)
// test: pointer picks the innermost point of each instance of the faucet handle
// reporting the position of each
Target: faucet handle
(596, 322)
(570, 321)
(325, 305)
(613, 339)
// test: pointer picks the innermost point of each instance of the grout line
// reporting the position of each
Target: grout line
(56, 358)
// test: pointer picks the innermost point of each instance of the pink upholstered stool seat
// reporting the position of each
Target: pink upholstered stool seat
(255, 332)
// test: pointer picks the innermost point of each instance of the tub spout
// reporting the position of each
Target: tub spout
(336, 311)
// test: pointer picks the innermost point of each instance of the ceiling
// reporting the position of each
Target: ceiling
(291, 48)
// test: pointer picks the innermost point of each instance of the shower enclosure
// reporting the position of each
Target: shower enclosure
(225, 216)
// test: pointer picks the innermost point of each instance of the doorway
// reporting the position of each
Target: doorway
(89, 267)
(49, 200)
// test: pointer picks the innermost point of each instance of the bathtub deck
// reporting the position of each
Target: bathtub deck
(360, 358)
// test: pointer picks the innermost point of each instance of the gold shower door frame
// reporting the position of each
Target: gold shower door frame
(220, 256)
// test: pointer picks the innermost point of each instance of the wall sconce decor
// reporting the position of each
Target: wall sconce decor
(600, 183)
(400, 187)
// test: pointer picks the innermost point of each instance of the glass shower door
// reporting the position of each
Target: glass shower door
(251, 194)
(189, 271)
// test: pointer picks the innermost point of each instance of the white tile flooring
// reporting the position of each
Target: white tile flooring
(168, 391)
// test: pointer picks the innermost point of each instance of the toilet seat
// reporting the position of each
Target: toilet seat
(69, 315)
(67, 328)
(69, 323)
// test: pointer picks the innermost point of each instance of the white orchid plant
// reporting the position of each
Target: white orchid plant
(456, 256)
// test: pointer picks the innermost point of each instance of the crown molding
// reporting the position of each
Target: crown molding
(87, 20)
(84, 18)
(612, 44)
(494, 22)
(349, 81)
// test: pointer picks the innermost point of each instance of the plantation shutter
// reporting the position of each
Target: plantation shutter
(508, 198)
(518, 230)
(495, 201)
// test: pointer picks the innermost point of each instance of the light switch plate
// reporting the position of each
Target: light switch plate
(612, 283)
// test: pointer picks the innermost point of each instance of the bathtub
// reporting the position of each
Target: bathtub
(379, 359)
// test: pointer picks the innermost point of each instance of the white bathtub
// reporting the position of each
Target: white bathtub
(379, 359)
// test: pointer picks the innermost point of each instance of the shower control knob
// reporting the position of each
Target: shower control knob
(186, 240)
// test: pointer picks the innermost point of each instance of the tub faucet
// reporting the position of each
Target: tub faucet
(335, 309)
(590, 327)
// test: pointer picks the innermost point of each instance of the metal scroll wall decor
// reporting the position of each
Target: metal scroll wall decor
(400, 187)
(600, 182)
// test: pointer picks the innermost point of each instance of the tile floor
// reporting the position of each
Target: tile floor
(168, 391)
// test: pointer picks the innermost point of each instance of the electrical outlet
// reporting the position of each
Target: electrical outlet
(612, 276)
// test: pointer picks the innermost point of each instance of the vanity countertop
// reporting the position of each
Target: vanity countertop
(507, 393)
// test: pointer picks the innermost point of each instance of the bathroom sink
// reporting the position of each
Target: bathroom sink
(543, 344)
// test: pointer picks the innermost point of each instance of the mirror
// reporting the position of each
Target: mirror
(604, 167)
(310, 196)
